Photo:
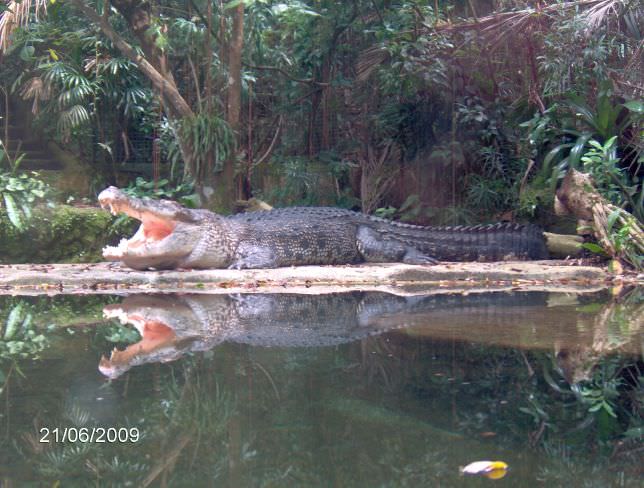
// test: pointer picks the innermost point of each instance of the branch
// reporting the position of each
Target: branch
(167, 89)
(272, 144)
(310, 81)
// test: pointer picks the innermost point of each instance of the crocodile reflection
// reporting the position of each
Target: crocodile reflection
(171, 325)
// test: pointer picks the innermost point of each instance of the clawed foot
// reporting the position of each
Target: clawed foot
(419, 259)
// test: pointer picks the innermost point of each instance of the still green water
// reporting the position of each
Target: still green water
(350, 389)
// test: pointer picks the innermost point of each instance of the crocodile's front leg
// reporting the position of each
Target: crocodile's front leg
(375, 249)
(253, 256)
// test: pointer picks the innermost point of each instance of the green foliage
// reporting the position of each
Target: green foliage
(487, 195)
(620, 235)
(601, 396)
(587, 123)
(19, 194)
(119, 333)
(208, 136)
(183, 192)
(593, 139)
(613, 183)
(299, 185)
(343, 76)
(83, 90)
(63, 234)
(19, 338)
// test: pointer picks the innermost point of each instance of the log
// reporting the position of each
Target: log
(579, 197)
(563, 245)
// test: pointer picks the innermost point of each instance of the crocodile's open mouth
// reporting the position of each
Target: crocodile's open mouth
(155, 336)
(153, 227)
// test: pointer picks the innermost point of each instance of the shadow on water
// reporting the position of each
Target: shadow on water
(344, 389)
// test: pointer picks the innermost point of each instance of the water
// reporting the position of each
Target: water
(349, 389)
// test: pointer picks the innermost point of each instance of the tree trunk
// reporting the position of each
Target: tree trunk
(224, 182)
(234, 68)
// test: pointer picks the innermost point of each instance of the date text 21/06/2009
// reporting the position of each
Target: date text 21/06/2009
(98, 435)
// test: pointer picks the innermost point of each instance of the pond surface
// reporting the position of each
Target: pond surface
(347, 389)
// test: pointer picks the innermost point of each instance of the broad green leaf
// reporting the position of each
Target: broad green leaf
(634, 432)
(27, 52)
(612, 218)
(609, 143)
(636, 106)
(595, 407)
(233, 4)
(13, 321)
(18, 160)
(592, 247)
(577, 150)
(553, 153)
(27, 322)
(595, 144)
(12, 211)
(26, 210)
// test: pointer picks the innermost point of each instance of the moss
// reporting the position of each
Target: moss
(61, 234)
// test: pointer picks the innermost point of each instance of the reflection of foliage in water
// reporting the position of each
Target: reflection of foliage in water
(18, 337)
(116, 464)
(266, 418)
(190, 415)
(26, 325)
(119, 333)
(599, 399)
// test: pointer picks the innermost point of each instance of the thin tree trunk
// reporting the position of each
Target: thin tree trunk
(224, 185)
(234, 67)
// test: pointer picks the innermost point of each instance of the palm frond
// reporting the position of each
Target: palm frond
(17, 15)
(369, 60)
(38, 90)
(71, 118)
(496, 27)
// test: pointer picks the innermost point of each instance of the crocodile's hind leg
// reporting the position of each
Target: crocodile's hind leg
(375, 249)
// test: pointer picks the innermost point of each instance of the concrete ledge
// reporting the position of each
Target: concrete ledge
(114, 278)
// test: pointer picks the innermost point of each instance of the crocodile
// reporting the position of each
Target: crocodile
(171, 325)
(171, 236)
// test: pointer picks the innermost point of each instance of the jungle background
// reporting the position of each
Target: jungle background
(438, 112)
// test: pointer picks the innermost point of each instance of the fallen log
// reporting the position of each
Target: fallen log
(617, 231)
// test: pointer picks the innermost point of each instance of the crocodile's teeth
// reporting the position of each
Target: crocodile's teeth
(112, 252)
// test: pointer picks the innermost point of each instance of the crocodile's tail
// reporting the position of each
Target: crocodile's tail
(493, 242)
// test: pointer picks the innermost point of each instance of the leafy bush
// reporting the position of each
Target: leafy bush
(601, 162)
(19, 193)
(183, 193)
